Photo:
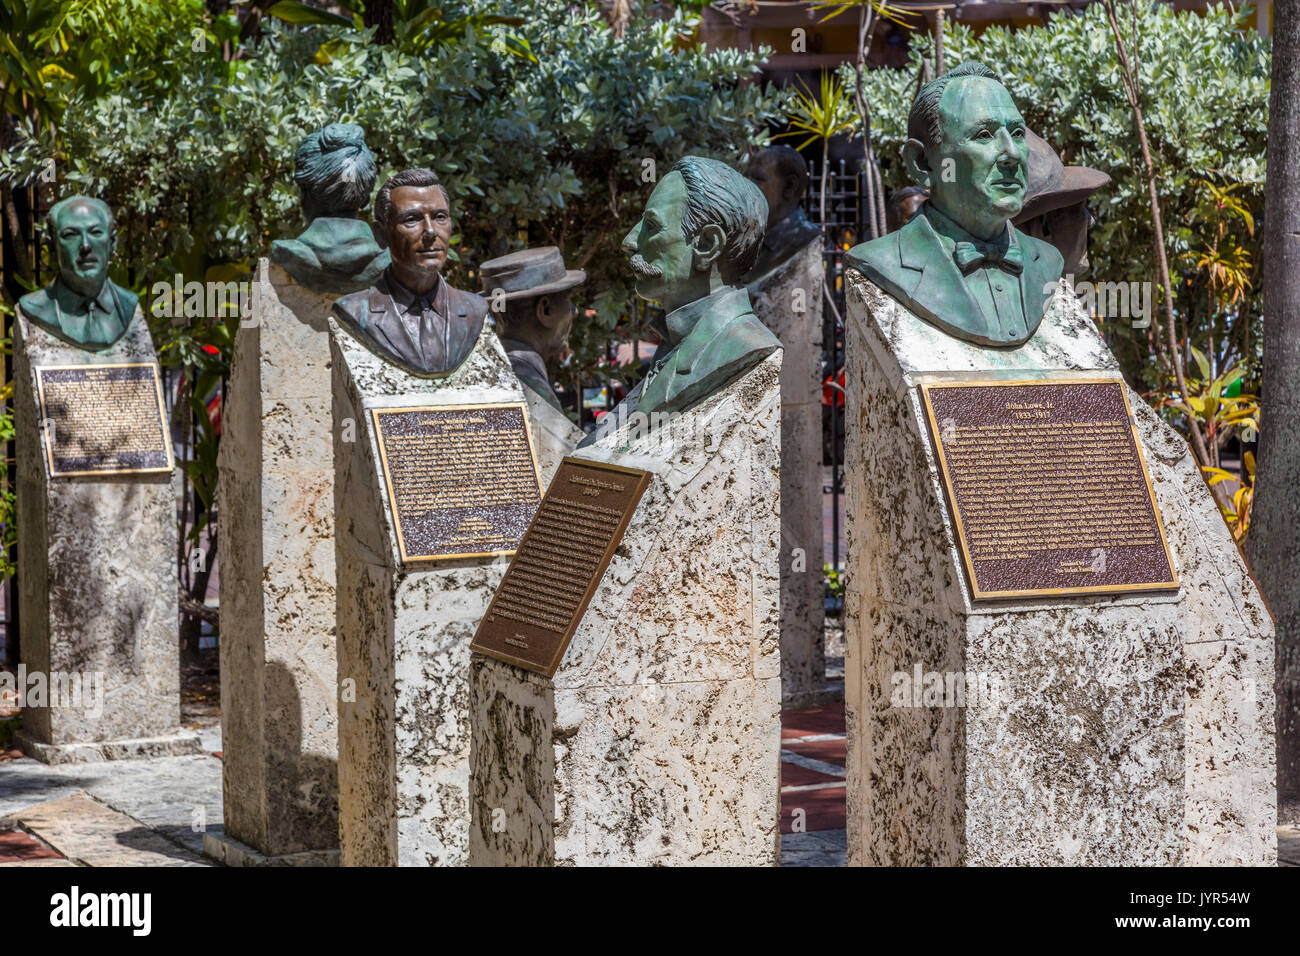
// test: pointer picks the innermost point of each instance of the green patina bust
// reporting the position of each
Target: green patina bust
(698, 236)
(337, 252)
(82, 305)
(960, 263)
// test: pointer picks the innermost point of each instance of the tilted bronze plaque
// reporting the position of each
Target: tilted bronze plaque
(558, 567)
(1048, 487)
(103, 419)
(462, 479)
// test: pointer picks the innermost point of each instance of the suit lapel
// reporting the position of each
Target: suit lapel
(656, 390)
(940, 288)
(1034, 282)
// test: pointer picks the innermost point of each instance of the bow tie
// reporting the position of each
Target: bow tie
(972, 255)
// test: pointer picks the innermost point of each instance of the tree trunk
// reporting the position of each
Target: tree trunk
(1273, 545)
(380, 13)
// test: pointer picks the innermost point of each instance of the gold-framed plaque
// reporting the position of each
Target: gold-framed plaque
(103, 419)
(462, 480)
(565, 552)
(1048, 487)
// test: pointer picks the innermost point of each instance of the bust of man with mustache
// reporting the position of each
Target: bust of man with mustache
(698, 235)
(412, 316)
(82, 305)
(960, 263)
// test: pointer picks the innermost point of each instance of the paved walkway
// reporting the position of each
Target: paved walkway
(812, 786)
(154, 812)
(121, 812)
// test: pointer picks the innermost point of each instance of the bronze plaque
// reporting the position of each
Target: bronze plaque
(1048, 487)
(103, 419)
(560, 562)
(462, 479)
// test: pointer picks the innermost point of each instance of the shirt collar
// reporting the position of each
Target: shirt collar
(696, 323)
(950, 233)
(684, 322)
(435, 298)
(69, 300)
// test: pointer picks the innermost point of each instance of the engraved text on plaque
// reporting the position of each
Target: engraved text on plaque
(560, 562)
(1049, 488)
(462, 480)
(103, 419)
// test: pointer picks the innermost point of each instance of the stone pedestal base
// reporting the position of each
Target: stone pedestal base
(403, 630)
(1131, 729)
(180, 744)
(554, 436)
(97, 586)
(279, 717)
(788, 300)
(658, 739)
(228, 851)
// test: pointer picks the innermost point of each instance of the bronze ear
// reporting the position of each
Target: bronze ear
(916, 164)
(716, 239)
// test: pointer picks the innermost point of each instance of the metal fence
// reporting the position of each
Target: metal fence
(846, 219)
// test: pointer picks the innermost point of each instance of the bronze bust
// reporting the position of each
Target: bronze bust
(782, 175)
(1056, 203)
(960, 264)
(82, 305)
(337, 251)
(698, 236)
(536, 289)
(412, 316)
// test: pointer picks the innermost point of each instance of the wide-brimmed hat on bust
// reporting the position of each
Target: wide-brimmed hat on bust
(529, 272)
(1052, 184)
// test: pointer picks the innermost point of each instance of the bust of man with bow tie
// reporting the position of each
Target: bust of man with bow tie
(412, 316)
(960, 264)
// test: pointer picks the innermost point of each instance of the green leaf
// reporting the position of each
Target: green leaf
(291, 11)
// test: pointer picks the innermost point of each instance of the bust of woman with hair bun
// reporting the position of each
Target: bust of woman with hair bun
(337, 252)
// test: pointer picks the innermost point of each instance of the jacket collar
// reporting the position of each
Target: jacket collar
(933, 280)
(697, 323)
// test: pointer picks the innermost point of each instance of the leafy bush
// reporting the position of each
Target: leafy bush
(542, 132)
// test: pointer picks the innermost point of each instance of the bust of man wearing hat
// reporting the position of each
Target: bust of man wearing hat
(337, 251)
(530, 293)
(412, 316)
(1056, 203)
(960, 264)
(82, 305)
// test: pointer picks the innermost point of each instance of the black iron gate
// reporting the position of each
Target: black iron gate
(846, 222)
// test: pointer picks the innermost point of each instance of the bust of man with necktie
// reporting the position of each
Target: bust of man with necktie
(960, 263)
(698, 235)
(82, 305)
(411, 316)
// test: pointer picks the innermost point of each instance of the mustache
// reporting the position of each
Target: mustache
(645, 269)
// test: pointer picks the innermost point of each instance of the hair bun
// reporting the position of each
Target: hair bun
(342, 136)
